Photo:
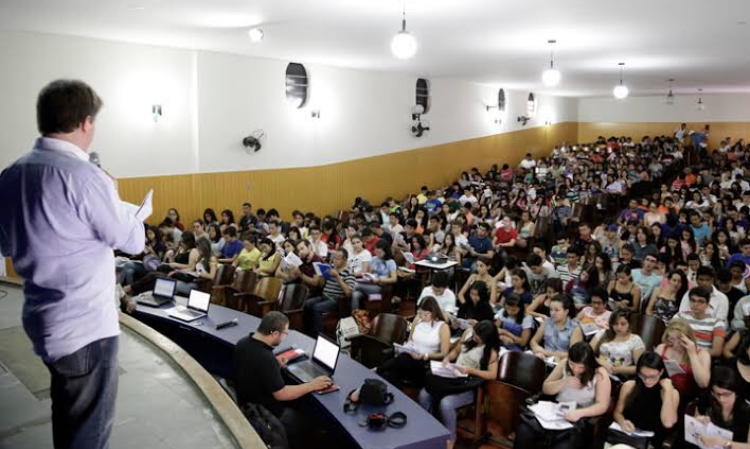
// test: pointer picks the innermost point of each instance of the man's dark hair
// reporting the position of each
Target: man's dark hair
(486, 226)
(440, 279)
(272, 322)
(534, 260)
(411, 222)
(230, 231)
(705, 271)
(247, 204)
(64, 104)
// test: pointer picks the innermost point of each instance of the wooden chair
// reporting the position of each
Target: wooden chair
(520, 376)
(650, 328)
(292, 304)
(374, 348)
(224, 295)
(266, 289)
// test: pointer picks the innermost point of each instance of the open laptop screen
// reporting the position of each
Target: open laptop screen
(199, 300)
(164, 288)
(326, 352)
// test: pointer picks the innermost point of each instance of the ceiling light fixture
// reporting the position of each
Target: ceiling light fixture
(621, 91)
(700, 105)
(670, 96)
(404, 44)
(256, 35)
(551, 76)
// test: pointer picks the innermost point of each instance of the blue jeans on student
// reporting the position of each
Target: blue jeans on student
(83, 393)
(448, 406)
(314, 310)
(131, 272)
(362, 292)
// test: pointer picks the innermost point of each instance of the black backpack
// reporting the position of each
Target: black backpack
(269, 427)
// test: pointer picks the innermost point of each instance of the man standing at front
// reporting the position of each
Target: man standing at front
(62, 219)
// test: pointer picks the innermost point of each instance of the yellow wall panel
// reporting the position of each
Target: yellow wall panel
(588, 131)
(330, 188)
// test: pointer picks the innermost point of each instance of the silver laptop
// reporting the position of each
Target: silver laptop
(163, 293)
(323, 362)
(197, 307)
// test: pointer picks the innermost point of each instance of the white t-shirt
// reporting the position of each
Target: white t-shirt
(527, 164)
(718, 305)
(467, 199)
(446, 301)
(321, 249)
(356, 260)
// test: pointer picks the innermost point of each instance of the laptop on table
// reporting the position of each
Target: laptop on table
(323, 362)
(197, 307)
(163, 293)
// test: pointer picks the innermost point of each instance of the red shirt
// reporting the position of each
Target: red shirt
(370, 246)
(503, 235)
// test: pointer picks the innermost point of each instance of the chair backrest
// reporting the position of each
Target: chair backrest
(244, 281)
(390, 328)
(224, 274)
(522, 370)
(294, 297)
(268, 288)
(650, 328)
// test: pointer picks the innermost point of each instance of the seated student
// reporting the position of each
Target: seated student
(558, 332)
(227, 220)
(135, 269)
(305, 273)
(539, 307)
(428, 340)
(505, 235)
(580, 289)
(171, 234)
(382, 270)
(250, 254)
(283, 271)
(559, 252)
(513, 326)
(571, 268)
(199, 229)
(626, 257)
(482, 274)
(258, 378)
(232, 247)
(477, 307)
(205, 269)
(732, 282)
(274, 234)
(320, 248)
(596, 312)
(526, 227)
(664, 300)
(217, 242)
(174, 217)
(649, 402)
(359, 257)
(618, 348)
(678, 345)
(439, 290)
(719, 303)
(538, 273)
(623, 292)
(724, 408)
(186, 255)
(477, 357)
(709, 330)
(334, 290)
(646, 277)
(519, 285)
(269, 258)
(330, 237)
(575, 379)
(737, 351)
(479, 245)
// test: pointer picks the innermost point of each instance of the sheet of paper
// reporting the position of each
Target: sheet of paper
(550, 414)
(637, 432)
(673, 367)
(694, 429)
(449, 371)
(147, 207)
(293, 260)
(407, 348)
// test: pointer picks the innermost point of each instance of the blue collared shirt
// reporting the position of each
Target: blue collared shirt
(61, 218)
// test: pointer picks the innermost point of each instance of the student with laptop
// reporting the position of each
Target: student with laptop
(259, 380)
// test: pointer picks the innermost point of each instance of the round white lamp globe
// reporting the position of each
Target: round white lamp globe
(404, 45)
(620, 91)
(256, 35)
(551, 77)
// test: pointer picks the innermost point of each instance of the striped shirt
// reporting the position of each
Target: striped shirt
(705, 328)
(332, 289)
(566, 274)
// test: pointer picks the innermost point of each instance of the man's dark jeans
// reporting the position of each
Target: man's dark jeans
(83, 392)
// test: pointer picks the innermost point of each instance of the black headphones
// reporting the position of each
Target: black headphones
(381, 421)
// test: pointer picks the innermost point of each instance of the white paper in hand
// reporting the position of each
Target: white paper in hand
(147, 207)
(293, 260)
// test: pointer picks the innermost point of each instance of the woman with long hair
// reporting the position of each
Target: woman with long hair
(665, 300)
(618, 347)
(647, 403)
(513, 325)
(477, 357)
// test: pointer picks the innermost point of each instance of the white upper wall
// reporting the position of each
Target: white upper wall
(210, 101)
(718, 108)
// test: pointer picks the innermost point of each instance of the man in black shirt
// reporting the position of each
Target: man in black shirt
(258, 374)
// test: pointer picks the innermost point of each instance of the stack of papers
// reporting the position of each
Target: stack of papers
(293, 260)
(551, 415)
(694, 429)
(407, 348)
(673, 367)
(449, 371)
(636, 432)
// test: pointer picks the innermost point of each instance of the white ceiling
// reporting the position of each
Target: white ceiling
(700, 43)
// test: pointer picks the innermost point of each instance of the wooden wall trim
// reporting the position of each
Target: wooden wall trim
(329, 188)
